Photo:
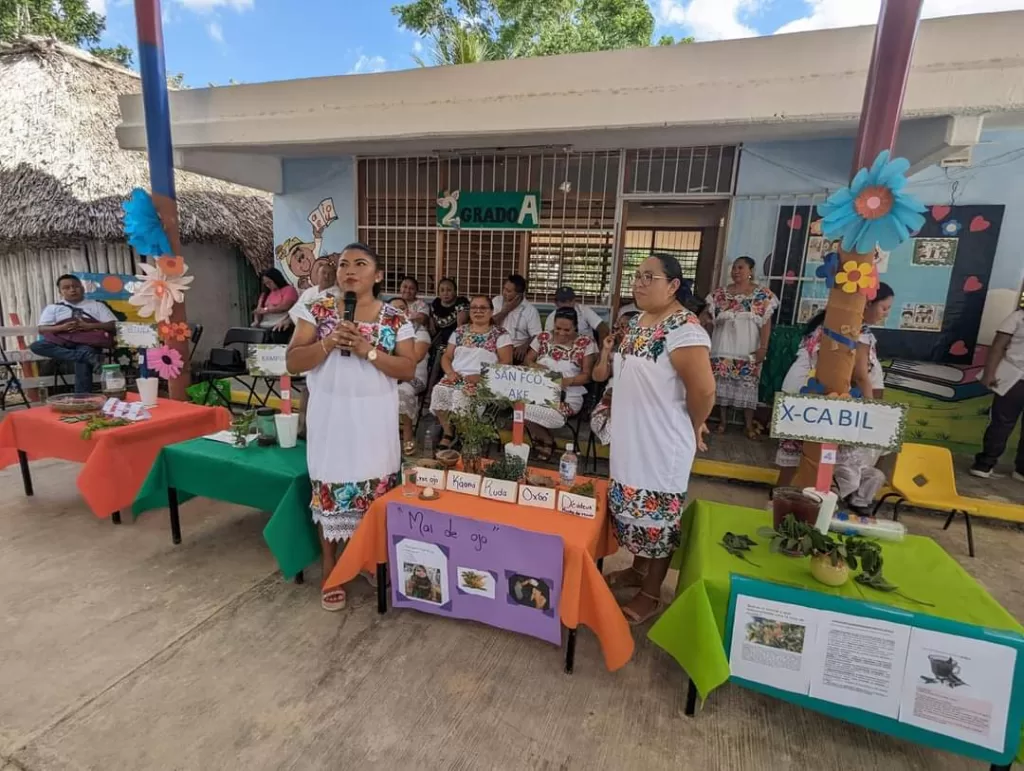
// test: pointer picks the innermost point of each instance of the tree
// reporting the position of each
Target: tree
(70, 21)
(504, 29)
(458, 45)
(668, 40)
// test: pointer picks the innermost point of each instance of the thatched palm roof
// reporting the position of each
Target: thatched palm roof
(63, 177)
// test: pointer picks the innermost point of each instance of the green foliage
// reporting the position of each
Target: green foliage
(69, 21)
(511, 468)
(464, 31)
(241, 426)
(738, 546)
(668, 40)
(477, 424)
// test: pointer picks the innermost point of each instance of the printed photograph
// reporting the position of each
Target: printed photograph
(815, 244)
(809, 308)
(477, 582)
(945, 671)
(776, 634)
(422, 582)
(922, 317)
(531, 592)
(935, 252)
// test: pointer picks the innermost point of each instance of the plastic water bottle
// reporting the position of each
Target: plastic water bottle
(567, 466)
(428, 439)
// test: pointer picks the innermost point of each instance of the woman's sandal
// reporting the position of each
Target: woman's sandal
(446, 442)
(634, 618)
(409, 448)
(333, 599)
(720, 428)
(617, 580)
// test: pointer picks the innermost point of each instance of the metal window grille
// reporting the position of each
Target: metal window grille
(641, 243)
(675, 171)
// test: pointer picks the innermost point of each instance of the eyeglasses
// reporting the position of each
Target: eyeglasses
(645, 278)
(482, 308)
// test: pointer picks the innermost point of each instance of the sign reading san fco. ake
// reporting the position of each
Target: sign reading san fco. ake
(832, 420)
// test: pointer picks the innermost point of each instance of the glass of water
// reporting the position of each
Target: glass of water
(409, 479)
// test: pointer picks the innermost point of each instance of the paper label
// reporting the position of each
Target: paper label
(828, 456)
(430, 477)
(538, 497)
(130, 334)
(577, 505)
(461, 482)
(499, 490)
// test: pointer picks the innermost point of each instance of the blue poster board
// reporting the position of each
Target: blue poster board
(749, 587)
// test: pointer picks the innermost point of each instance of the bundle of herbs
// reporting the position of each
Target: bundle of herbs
(510, 468)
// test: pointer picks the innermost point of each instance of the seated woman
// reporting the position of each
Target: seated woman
(275, 301)
(418, 310)
(570, 354)
(600, 418)
(448, 312)
(471, 346)
(409, 391)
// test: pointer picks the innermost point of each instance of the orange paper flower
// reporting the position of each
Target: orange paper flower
(171, 266)
(174, 331)
(873, 203)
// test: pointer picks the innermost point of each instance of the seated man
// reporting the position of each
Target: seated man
(590, 324)
(76, 330)
(519, 317)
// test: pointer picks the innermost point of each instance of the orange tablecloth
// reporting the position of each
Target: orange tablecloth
(586, 598)
(117, 460)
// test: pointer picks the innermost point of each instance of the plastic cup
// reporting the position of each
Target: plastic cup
(287, 430)
(791, 500)
(409, 480)
(148, 387)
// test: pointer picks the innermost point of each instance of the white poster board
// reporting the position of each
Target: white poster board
(831, 420)
(523, 384)
(131, 334)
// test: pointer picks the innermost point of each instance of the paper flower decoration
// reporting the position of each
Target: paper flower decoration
(142, 225)
(156, 292)
(813, 386)
(166, 362)
(951, 228)
(174, 331)
(171, 266)
(828, 269)
(858, 277)
(873, 210)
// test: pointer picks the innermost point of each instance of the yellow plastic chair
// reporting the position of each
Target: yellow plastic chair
(924, 477)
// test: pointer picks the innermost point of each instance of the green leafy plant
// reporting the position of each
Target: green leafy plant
(241, 426)
(477, 424)
(738, 546)
(511, 468)
(921, 422)
(585, 489)
(99, 423)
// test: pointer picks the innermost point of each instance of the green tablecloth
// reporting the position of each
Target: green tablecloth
(266, 478)
(692, 629)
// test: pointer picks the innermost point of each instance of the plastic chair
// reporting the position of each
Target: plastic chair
(924, 477)
(228, 362)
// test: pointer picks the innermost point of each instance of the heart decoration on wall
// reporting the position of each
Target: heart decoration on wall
(795, 222)
(972, 284)
(940, 213)
(979, 224)
(959, 348)
(790, 277)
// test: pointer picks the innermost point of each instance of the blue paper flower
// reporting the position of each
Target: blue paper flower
(951, 228)
(828, 269)
(873, 210)
(814, 386)
(143, 227)
(856, 393)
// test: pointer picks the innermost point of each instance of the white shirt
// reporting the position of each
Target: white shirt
(631, 308)
(469, 360)
(422, 336)
(65, 311)
(522, 324)
(1014, 327)
(587, 321)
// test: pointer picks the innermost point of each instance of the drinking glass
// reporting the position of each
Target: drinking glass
(409, 480)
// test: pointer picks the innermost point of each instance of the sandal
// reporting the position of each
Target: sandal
(753, 434)
(617, 580)
(543, 450)
(333, 599)
(634, 618)
(720, 429)
(446, 442)
(408, 448)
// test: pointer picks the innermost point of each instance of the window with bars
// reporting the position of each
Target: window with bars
(680, 170)
(641, 243)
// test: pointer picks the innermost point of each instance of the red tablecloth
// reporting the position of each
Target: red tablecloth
(116, 460)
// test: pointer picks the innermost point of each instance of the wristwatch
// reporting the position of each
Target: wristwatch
(371, 356)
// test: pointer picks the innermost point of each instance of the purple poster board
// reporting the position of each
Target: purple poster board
(462, 568)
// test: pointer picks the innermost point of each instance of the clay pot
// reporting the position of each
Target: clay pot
(824, 571)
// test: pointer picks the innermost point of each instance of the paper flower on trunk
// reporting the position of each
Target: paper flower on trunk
(165, 361)
(874, 210)
(174, 331)
(858, 277)
(142, 225)
(828, 269)
(171, 266)
(157, 292)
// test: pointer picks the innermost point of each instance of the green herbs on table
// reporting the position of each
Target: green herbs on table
(738, 546)
(99, 423)
(510, 468)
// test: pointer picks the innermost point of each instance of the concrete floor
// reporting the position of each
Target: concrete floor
(121, 651)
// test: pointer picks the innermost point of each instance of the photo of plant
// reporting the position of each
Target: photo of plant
(776, 634)
(475, 581)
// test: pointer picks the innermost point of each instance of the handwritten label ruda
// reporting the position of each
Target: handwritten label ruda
(461, 482)
(577, 505)
(430, 477)
(538, 497)
(499, 490)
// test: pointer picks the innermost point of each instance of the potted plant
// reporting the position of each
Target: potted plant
(476, 425)
(241, 427)
(832, 558)
(510, 468)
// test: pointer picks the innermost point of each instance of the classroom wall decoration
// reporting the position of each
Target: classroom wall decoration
(461, 568)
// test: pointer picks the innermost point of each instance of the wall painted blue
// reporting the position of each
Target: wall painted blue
(307, 182)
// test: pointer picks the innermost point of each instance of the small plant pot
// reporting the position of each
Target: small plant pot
(824, 571)
(471, 460)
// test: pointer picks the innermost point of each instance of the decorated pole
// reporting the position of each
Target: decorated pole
(149, 27)
(872, 212)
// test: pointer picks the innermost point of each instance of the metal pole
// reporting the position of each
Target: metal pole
(879, 124)
(149, 27)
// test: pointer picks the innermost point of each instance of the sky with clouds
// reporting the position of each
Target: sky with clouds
(252, 41)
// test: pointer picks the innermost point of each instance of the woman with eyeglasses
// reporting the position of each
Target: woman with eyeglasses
(664, 391)
(565, 351)
(742, 317)
(470, 347)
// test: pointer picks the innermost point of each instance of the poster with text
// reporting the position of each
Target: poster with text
(773, 643)
(463, 568)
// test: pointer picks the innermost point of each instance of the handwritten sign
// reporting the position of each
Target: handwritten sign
(523, 384)
(133, 411)
(430, 477)
(499, 490)
(538, 497)
(461, 482)
(831, 420)
(129, 334)
(577, 505)
(462, 567)
(267, 360)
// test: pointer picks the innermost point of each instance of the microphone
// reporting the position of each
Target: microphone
(350, 313)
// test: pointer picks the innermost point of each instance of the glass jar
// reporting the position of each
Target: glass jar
(112, 381)
(266, 429)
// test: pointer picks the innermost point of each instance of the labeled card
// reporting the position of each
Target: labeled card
(499, 490)
(577, 505)
(461, 482)
(538, 497)
(430, 477)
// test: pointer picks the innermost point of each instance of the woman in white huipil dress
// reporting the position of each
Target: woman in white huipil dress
(354, 455)
(664, 391)
(409, 390)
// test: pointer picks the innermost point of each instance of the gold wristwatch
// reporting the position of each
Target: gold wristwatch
(371, 356)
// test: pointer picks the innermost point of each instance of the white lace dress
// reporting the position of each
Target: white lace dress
(410, 390)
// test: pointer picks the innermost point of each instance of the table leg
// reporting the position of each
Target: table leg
(300, 578)
(172, 505)
(997, 767)
(115, 517)
(570, 652)
(26, 475)
(382, 587)
(691, 700)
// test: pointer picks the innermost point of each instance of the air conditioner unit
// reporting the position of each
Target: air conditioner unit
(958, 160)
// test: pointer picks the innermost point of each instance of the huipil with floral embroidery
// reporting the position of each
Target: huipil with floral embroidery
(567, 360)
(739, 319)
(652, 437)
(352, 444)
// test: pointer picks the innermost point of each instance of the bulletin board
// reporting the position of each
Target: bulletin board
(940, 278)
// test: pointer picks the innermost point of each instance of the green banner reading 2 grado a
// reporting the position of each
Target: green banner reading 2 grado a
(488, 211)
